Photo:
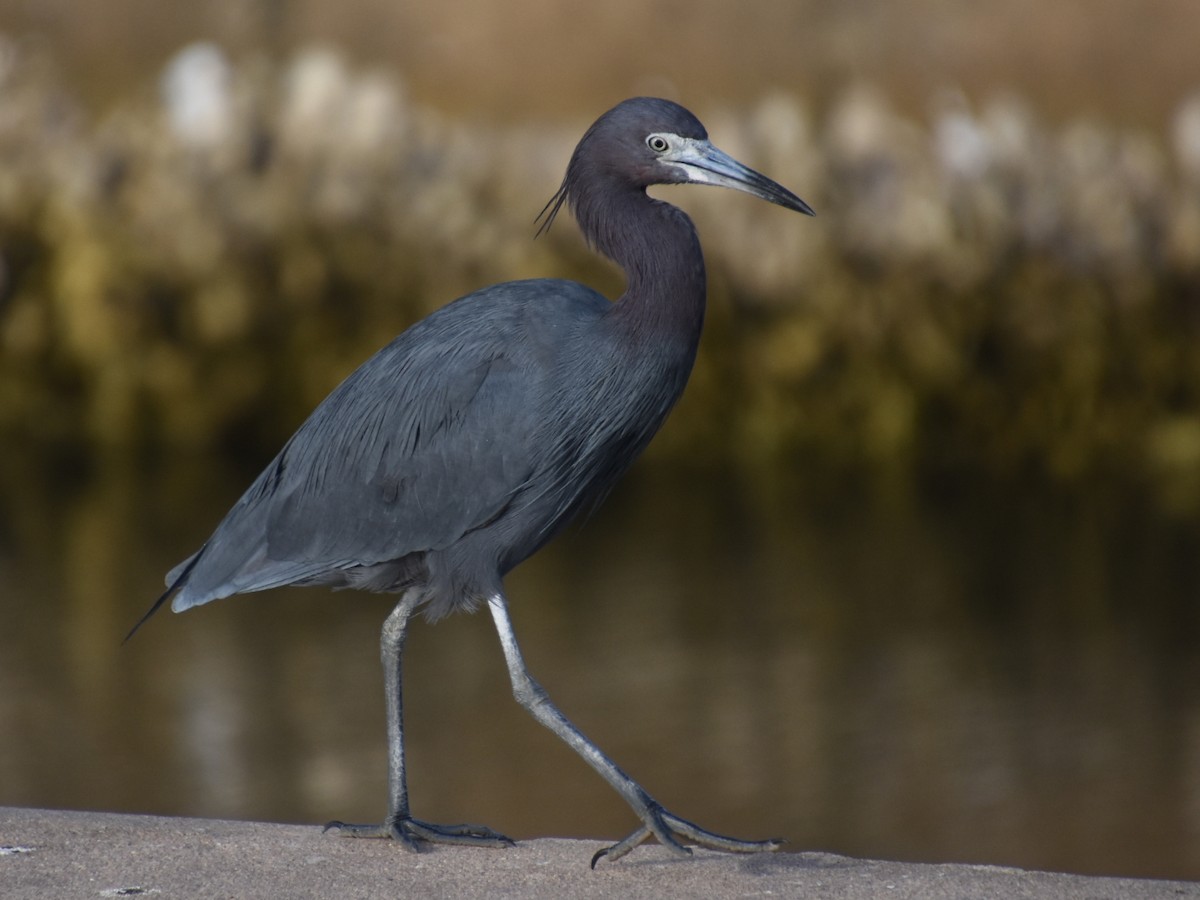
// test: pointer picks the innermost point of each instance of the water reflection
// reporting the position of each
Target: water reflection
(995, 676)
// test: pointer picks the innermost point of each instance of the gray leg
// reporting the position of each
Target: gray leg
(670, 830)
(400, 825)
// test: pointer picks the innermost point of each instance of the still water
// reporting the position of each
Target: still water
(985, 674)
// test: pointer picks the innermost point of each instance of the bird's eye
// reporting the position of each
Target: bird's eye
(657, 143)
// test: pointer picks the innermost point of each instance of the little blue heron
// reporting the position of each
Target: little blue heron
(470, 440)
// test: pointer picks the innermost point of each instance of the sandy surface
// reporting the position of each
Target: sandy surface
(46, 854)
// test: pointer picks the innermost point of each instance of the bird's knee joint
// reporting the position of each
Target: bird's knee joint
(530, 694)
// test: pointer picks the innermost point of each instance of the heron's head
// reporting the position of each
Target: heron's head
(645, 141)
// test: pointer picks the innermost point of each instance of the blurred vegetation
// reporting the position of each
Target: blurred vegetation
(199, 266)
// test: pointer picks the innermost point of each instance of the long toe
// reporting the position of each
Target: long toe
(465, 835)
(413, 834)
(676, 833)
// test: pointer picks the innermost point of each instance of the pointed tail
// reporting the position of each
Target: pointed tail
(168, 593)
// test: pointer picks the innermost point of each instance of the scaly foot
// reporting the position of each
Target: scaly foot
(673, 832)
(412, 833)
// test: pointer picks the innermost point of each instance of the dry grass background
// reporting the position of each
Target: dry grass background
(1130, 61)
(1005, 272)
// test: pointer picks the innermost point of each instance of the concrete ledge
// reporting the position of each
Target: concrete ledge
(56, 855)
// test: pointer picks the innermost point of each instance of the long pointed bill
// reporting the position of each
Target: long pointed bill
(701, 163)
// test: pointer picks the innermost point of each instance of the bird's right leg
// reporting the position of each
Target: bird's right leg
(670, 830)
(400, 825)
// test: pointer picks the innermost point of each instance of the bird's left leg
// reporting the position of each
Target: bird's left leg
(669, 829)
(400, 825)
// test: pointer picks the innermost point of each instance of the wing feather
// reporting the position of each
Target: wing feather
(428, 440)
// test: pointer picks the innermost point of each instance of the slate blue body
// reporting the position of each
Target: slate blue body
(450, 456)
